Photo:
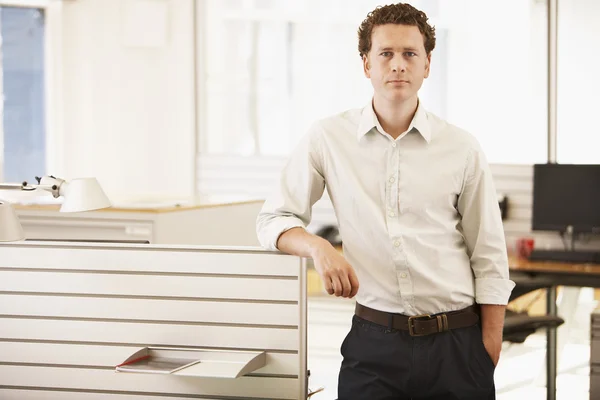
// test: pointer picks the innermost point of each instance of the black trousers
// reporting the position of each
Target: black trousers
(387, 364)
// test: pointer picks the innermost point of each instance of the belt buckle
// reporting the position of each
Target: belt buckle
(411, 327)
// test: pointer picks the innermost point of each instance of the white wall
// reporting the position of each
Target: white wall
(125, 114)
(496, 76)
(127, 97)
(578, 81)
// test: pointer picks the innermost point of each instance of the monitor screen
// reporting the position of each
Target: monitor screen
(566, 195)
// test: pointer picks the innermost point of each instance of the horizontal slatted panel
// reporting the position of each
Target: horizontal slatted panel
(515, 171)
(148, 260)
(69, 314)
(515, 182)
(520, 213)
(150, 310)
(98, 379)
(513, 186)
(517, 227)
(143, 285)
(109, 356)
(144, 334)
(517, 200)
(21, 394)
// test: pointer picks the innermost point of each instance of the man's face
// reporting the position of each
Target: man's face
(397, 62)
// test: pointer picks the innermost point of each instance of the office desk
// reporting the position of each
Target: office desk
(214, 221)
(563, 274)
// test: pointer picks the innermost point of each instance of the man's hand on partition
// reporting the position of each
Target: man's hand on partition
(338, 276)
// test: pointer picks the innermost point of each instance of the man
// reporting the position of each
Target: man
(420, 224)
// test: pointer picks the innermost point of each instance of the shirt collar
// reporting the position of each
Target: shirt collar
(368, 121)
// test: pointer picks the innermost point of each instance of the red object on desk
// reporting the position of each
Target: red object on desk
(525, 247)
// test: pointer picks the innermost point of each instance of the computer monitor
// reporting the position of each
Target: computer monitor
(566, 195)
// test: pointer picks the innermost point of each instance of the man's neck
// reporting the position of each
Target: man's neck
(395, 118)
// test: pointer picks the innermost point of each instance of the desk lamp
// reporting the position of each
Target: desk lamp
(82, 194)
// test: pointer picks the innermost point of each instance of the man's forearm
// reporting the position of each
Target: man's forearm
(492, 323)
(492, 319)
(338, 276)
(299, 242)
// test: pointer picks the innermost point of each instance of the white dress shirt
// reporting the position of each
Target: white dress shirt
(418, 216)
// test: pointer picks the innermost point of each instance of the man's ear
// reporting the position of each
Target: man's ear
(366, 66)
(428, 65)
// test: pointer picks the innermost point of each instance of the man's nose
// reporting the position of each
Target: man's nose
(398, 65)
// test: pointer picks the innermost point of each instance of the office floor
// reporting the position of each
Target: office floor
(519, 375)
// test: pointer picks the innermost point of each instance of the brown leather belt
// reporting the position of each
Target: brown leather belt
(421, 325)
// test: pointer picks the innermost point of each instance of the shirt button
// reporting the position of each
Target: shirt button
(392, 214)
(392, 180)
(396, 244)
(394, 144)
(403, 275)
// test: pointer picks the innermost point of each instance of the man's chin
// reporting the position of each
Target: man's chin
(400, 97)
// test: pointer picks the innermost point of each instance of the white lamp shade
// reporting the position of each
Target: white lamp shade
(83, 194)
(10, 227)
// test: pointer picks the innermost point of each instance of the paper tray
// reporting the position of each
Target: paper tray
(193, 362)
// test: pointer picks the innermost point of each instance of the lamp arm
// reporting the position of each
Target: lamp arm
(13, 186)
(84, 194)
(54, 189)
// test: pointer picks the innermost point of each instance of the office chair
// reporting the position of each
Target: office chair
(518, 325)
(331, 233)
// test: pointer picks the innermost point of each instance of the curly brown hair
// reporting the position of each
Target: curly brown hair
(401, 13)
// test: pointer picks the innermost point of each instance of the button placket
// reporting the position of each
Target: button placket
(406, 289)
(392, 184)
(403, 276)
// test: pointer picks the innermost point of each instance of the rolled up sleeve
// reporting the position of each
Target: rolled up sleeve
(483, 232)
(300, 186)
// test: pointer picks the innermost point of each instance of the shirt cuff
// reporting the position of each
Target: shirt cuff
(493, 290)
(269, 235)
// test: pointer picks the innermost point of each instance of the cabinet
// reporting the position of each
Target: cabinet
(207, 221)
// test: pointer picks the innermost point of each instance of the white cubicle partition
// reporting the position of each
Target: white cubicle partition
(69, 314)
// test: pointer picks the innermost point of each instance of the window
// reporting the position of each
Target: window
(496, 71)
(273, 67)
(23, 123)
(578, 134)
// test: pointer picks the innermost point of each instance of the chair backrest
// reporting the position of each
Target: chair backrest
(526, 285)
(69, 313)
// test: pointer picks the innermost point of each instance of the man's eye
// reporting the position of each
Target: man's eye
(410, 54)
(386, 53)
